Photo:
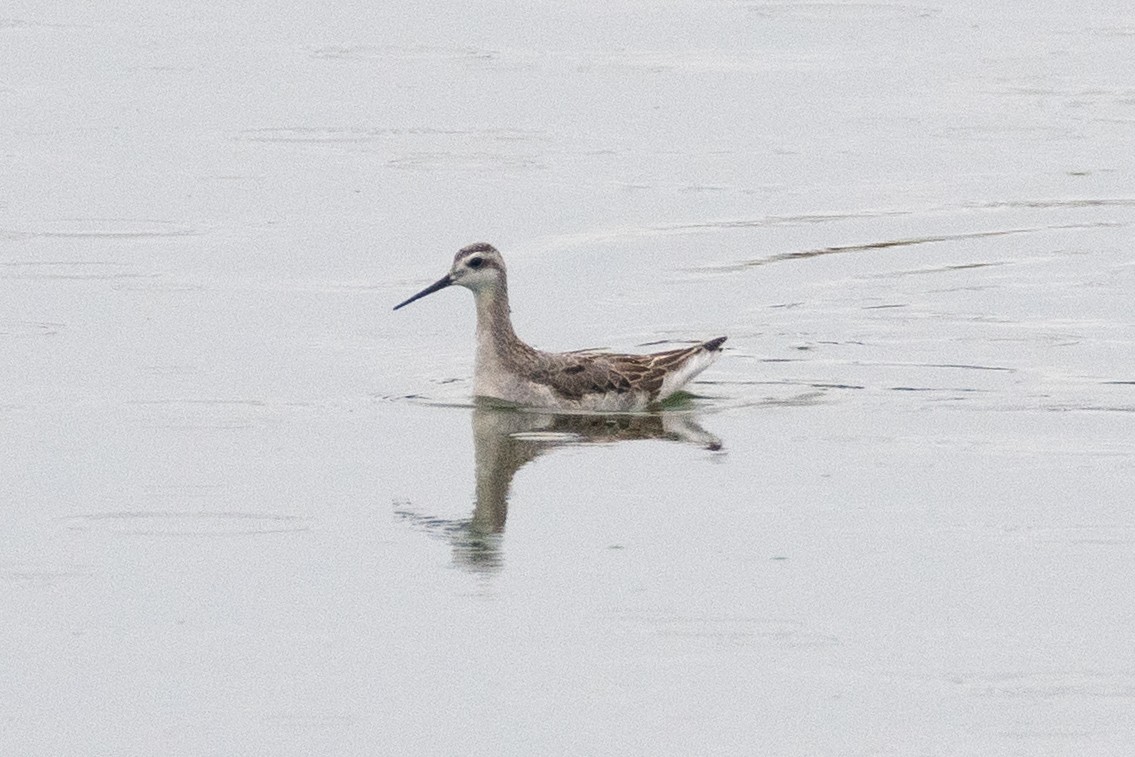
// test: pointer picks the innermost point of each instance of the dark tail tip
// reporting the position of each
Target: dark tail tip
(715, 344)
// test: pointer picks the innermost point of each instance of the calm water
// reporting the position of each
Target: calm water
(247, 509)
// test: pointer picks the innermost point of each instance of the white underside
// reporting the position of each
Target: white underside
(692, 367)
(529, 394)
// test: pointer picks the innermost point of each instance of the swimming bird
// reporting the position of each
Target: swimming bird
(508, 369)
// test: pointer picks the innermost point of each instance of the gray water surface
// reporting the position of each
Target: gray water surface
(247, 509)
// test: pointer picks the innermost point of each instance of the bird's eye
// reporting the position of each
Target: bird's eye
(476, 263)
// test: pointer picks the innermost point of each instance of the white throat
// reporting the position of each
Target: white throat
(492, 317)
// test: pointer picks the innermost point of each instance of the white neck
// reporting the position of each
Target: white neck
(496, 341)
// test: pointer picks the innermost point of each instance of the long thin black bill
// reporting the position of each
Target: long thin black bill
(441, 283)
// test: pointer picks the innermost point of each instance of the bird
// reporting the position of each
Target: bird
(509, 370)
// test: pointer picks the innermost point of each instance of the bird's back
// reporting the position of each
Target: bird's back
(620, 382)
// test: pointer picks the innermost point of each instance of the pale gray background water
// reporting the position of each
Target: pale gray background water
(240, 511)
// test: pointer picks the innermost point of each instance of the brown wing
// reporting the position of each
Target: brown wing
(573, 375)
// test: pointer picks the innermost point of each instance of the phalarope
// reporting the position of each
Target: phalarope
(510, 370)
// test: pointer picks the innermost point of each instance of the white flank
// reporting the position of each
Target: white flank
(681, 376)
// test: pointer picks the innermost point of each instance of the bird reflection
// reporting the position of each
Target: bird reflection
(505, 439)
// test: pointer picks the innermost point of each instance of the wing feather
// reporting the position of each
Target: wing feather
(573, 375)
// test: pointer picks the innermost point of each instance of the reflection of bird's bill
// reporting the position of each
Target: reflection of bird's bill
(441, 283)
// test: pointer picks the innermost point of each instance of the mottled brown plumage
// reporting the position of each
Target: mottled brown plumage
(573, 375)
(510, 370)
